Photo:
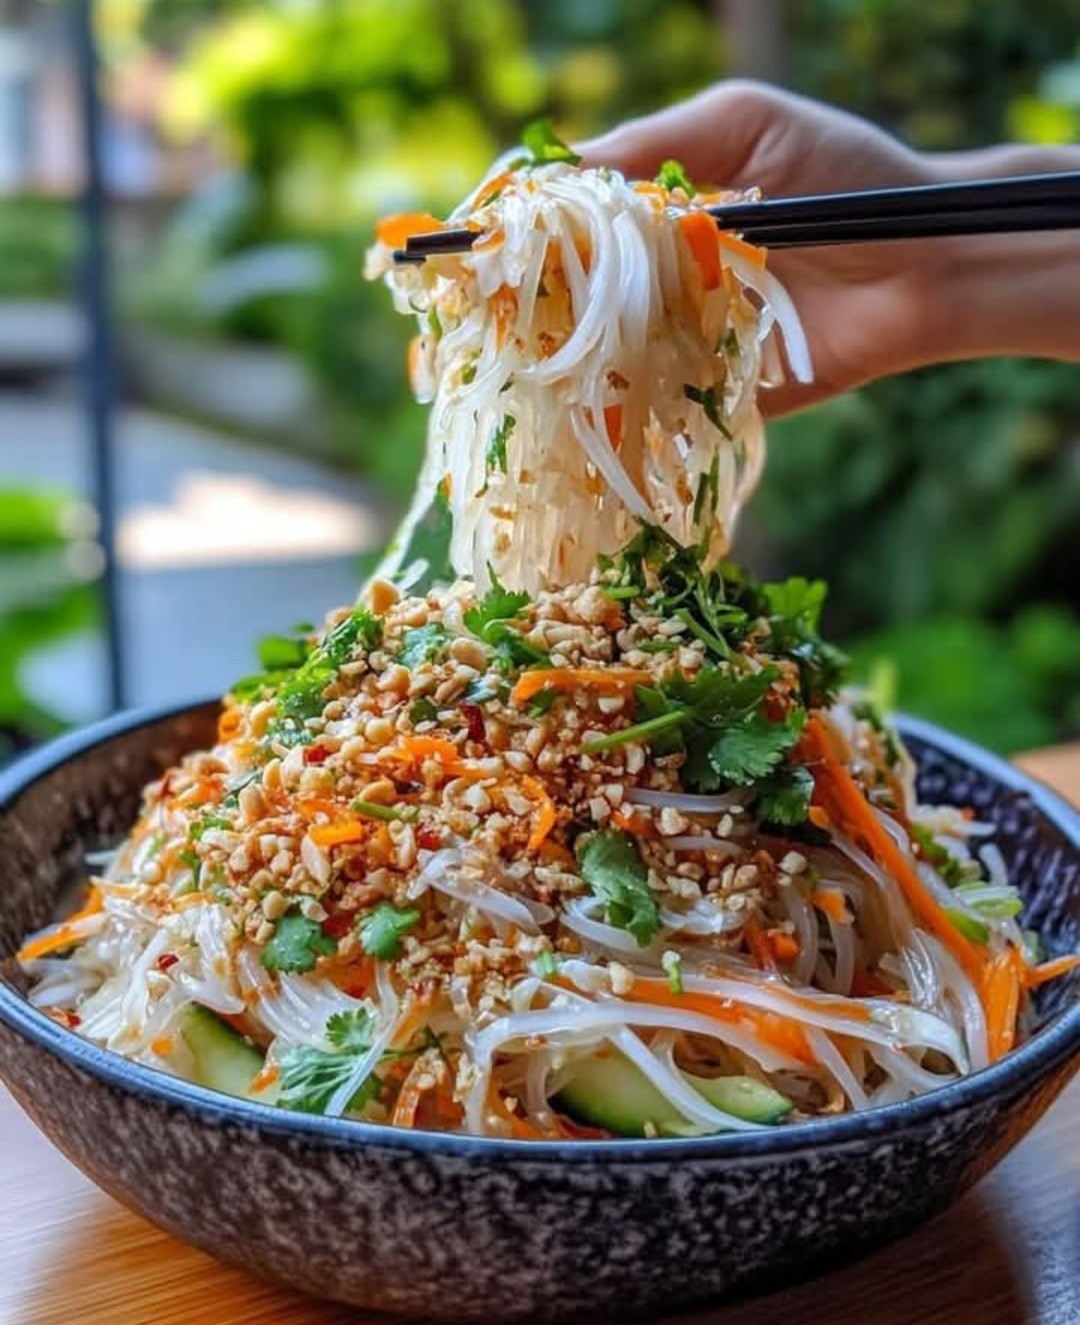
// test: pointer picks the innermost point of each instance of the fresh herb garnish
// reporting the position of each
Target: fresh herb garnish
(311, 1077)
(546, 964)
(201, 826)
(978, 931)
(783, 798)
(421, 644)
(672, 963)
(296, 944)
(946, 864)
(708, 486)
(749, 750)
(672, 175)
(544, 144)
(381, 931)
(387, 813)
(496, 452)
(191, 858)
(542, 703)
(422, 710)
(612, 867)
(301, 696)
(707, 398)
(491, 620)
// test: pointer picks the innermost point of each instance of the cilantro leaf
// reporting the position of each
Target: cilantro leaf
(511, 649)
(296, 944)
(381, 930)
(301, 696)
(498, 604)
(672, 175)
(496, 452)
(421, 644)
(784, 797)
(544, 145)
(710, 402)
(351, 1030)
(612, 867)
(422, 710)
(745, 753)
(311, 1077)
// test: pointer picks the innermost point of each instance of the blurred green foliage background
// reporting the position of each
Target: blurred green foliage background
(943, 507)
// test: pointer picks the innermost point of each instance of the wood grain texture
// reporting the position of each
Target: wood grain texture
(1007, 1254)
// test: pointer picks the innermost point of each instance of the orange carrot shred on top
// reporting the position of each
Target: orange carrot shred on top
(530, 684)
(1034, 976)
(631, 822)
(163, 1046)
(393, 231)
(72, 929)
(785, 946)
(760, 948)
(264, 1078)
(1001, 997)
(832, 903)
(781, 1033)
(842, 798)
(613, 425)
(336, 834)
(310, 807)
(545, 819)
(699, 231)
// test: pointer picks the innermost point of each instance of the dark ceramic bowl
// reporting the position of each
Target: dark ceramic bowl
(456, 1227)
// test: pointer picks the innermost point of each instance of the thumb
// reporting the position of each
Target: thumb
(716, 135)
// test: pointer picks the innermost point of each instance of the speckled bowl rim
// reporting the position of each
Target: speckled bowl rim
(1055, 1045)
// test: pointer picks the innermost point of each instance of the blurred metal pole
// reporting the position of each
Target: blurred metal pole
(98, 366)
(758, 38)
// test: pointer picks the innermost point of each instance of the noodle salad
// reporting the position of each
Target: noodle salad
(591, 842)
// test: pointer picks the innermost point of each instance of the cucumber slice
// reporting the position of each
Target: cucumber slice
(607, 1090)
(224, 1060)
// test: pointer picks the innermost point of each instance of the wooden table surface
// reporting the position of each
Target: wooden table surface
(1007, 1254)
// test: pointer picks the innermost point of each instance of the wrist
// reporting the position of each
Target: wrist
(1007, 294)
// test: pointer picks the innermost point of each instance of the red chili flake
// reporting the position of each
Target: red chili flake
(64, 1018)
(339, 924)
(166, 960)
(316, 754)
(474, 720)
(429, 838)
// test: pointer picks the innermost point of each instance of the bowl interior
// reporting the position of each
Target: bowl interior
(83, 794)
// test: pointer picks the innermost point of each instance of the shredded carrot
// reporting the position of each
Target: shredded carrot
(415, 749)
(545, 819)
(613, 425)
(818, 817)
(781, 1033)
(393, 231)
(760, 948)
(70, 930)
(785, 946)
(838, 792)
(492, 187)
(519, 1127)
(409, 1097)
(412, 362)
(264, 1078)
(556, 851)
(833, 903)
(1001, 997)
(310, 807)
(1034, 976)
(187, 900)
(229, 724)
(751, 252)
(530, 684)
(332, 835)
(699, 231)
(630, 822)
(163, 1046)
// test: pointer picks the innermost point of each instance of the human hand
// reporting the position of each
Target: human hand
(870, 309)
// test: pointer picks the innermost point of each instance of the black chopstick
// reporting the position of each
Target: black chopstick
(1017, 203)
